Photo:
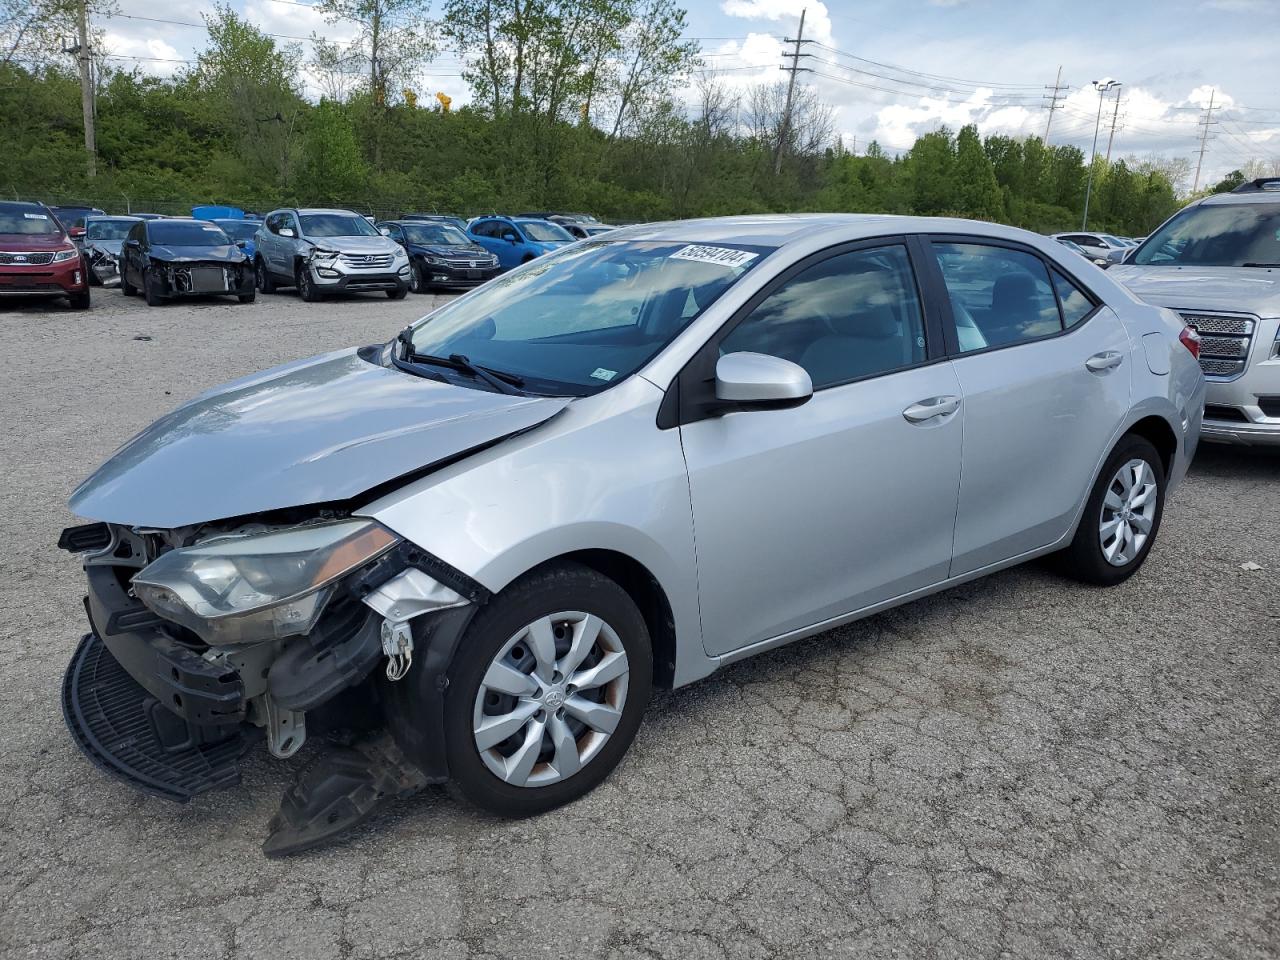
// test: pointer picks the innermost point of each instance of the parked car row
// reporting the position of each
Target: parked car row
(224, 250)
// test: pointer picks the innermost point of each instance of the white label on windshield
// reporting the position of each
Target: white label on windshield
(35, 216)
(725, 256)
(600, 373)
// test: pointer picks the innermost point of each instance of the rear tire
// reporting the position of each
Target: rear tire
(1121, 518)
(565, 604)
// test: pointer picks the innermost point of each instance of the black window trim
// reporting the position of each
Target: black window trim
(952, 339)
(686, 399)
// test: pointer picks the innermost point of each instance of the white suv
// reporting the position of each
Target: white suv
(1217, 262)
(323, 252)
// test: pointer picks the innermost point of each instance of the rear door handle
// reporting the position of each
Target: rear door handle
(933, 407)
(1107, 360)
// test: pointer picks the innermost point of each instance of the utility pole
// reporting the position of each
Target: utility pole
(1055, 99)
(86, 89)
(1115, 116)
(1206, 121)
(1102, 86)
(791, 89)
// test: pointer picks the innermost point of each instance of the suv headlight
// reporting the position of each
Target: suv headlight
(261, 587)
(317, 253)
(63, 255)
(434, 261)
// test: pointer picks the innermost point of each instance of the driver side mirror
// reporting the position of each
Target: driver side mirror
(759, 380)
(286, 231)
(510, 237)
(242, 244)
(76, 233)
(385, 231)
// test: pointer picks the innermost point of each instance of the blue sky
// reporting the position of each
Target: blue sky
(987, 62)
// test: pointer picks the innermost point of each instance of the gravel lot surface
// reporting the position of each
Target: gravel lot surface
(1020, 767)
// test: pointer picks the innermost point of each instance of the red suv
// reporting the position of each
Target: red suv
(37, 258)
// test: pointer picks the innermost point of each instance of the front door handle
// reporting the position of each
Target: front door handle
(933, 407)
(1107, 360)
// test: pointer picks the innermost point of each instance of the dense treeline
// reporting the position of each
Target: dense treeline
(566, 113)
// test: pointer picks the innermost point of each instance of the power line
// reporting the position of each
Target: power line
(929, 76)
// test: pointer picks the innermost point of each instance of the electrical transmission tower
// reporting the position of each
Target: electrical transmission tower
(795, 68)
(1055, 98)
(1206, 122)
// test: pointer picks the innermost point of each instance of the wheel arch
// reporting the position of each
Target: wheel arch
(1160, 433)
(647, 594)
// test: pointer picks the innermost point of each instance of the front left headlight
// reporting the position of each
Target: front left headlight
(260, 587)
(63, 255)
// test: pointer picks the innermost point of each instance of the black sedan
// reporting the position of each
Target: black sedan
(177, 258)
(441, 254)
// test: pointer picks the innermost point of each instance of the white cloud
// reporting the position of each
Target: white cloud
(1201, 95)
(817, 22)
(152, 54)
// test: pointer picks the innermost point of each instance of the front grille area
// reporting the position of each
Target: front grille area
(366, 261)
(1270, 406)
(468, 263)
(1224, 342)
(25, 259)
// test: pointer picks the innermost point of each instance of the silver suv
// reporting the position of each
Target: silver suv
(323, 252)
(1217, 262)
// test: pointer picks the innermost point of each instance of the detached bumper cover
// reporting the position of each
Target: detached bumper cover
(127, 734)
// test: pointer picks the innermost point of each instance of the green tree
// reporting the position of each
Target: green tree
(977, 193)
(332, 166)
(929, 168)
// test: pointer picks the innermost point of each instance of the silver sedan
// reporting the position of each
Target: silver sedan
(626, 464)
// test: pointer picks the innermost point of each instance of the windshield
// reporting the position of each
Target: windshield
(108, 229)
(441, 234)
(239, 229)
(191, 234)
(29, 222)
(544, 232)
(578, 320)
(1216, 235)
(336, 225)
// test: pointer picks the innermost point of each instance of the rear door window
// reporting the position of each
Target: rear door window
(999, 296)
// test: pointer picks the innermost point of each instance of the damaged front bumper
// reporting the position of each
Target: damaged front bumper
(152, 704)
(105, 266)
(182, 278)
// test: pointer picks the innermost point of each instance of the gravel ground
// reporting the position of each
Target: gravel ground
(1020, 767)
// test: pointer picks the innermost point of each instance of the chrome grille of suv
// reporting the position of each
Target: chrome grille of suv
(1224, 342)
(366, 261)
(24, 259)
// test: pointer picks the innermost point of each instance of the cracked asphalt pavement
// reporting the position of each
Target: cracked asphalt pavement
(1020, 767)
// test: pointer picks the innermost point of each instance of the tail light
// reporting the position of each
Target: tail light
(1190, 339)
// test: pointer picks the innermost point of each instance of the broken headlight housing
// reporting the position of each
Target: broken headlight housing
(262, 587)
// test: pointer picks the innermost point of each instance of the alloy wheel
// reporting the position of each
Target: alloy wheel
(1128, 512)
(550, 699)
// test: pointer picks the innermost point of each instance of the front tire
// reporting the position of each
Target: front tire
(262, 276)
(127, 288)
(398, 293)
(418, 279)
(150, 291)
(79, 301)
(1121, 518)
(548, 693)
(247, 297)
(306, 286)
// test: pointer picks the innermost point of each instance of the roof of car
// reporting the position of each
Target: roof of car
(111, 216)
(322, 210)
(1260, 196)
(21, 205)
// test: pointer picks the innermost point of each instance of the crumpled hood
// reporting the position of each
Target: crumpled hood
(378, 244)
(471, 251)
(224, 253)
(112, 247)
(318, 430)
(1236, 289)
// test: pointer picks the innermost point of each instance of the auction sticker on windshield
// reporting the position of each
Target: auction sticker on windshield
(725, 256)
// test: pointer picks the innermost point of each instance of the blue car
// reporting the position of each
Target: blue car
(241, 230)
(515, 240)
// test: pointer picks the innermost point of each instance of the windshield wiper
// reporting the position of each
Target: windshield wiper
(1260, 264)
(500, 380)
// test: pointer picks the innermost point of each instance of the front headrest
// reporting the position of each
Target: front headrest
(867, 321)
(1013, 290)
